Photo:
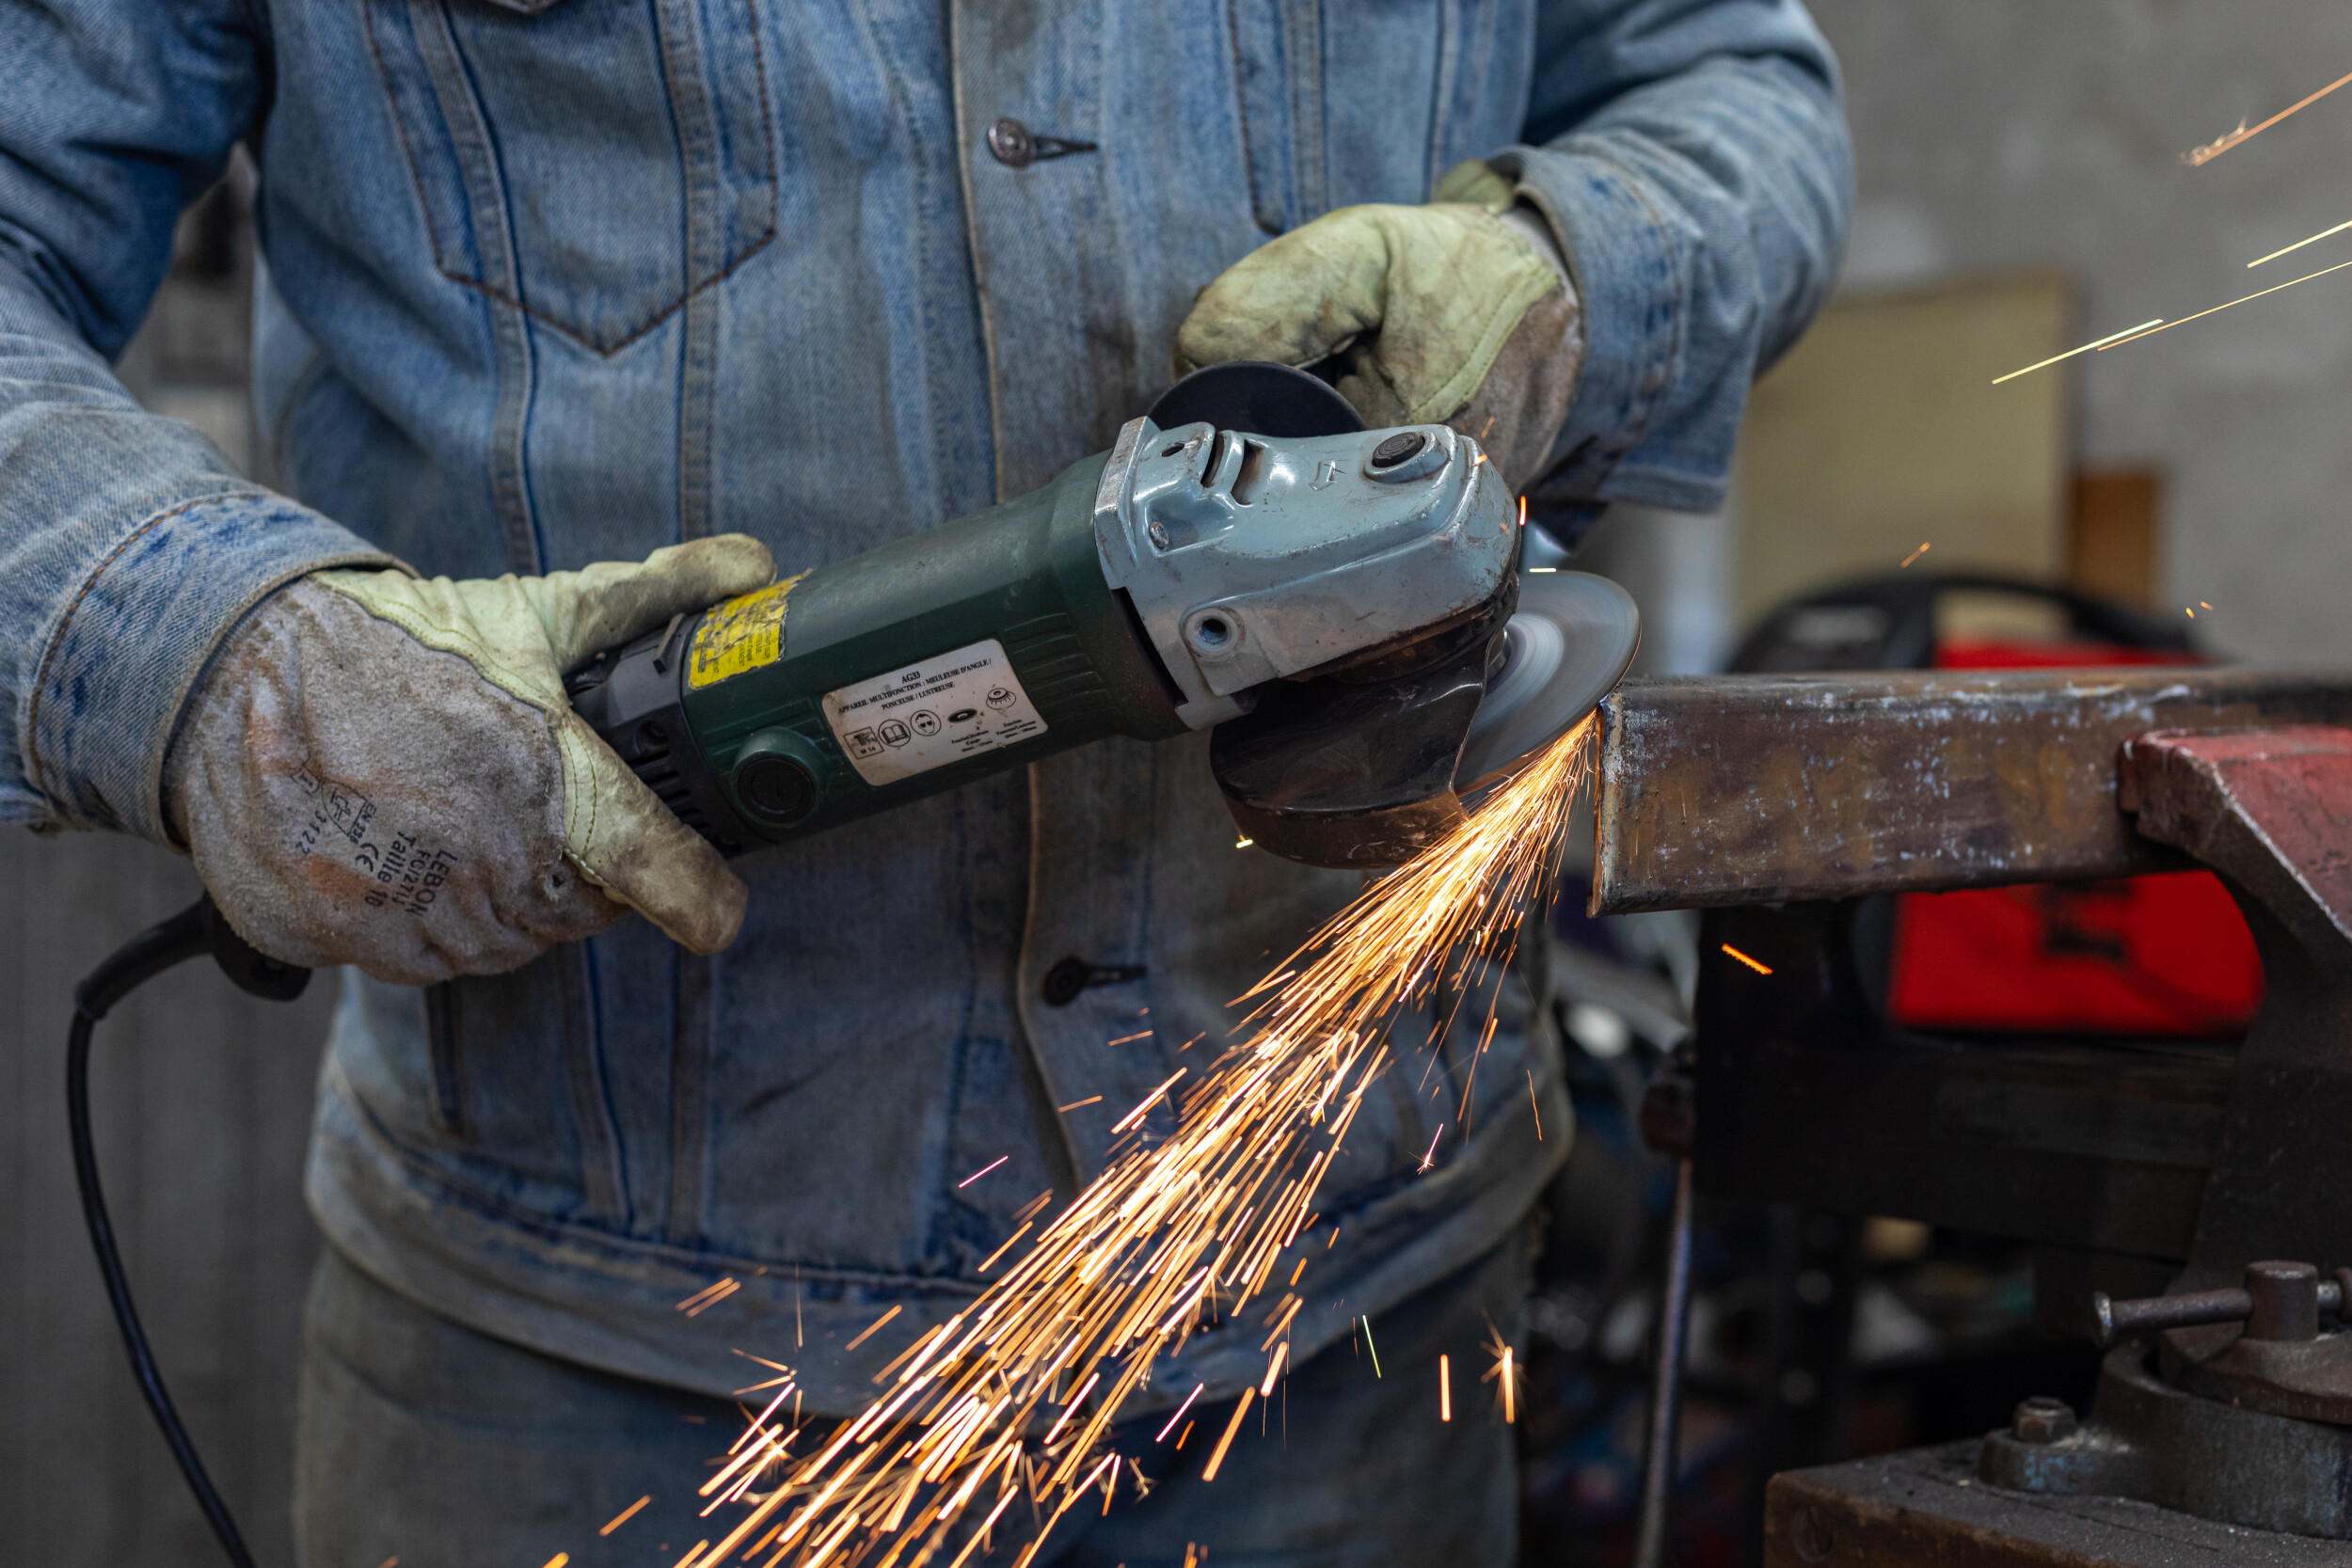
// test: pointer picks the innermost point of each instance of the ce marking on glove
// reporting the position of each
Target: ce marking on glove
(335, 809)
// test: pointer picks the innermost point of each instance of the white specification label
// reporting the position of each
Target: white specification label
(928, 715)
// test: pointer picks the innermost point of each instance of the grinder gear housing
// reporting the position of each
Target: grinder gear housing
(1333, 605)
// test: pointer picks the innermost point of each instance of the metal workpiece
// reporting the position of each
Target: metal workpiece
(1731, 790)
(1791, 808)
(1250, 558)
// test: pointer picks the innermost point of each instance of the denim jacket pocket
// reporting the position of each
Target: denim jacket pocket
(593, 163)
(1277, 57)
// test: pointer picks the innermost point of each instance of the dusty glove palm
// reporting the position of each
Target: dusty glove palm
(1455, 313)
(384, 770)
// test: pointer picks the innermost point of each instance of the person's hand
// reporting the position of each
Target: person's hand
(384, 770)
(1457, 312)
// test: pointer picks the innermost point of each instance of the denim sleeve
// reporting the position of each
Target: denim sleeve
(1692, 158)
(128, 544)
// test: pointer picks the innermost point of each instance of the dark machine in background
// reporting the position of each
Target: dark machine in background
(2036, 1070)
(2131, 1161)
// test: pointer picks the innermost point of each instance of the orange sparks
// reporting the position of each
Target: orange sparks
(2283, 250)
(1227, 1441)
(559, 1559)
(1178, 1233)
(1134, 1117)
(1069, 1408)
(1273, 1368)
(982, 1171)
(1760, 968)
(1445, 1388)
(708, 1296)
(980, 1540)
(1504, 1370)
(1535, 1108)
(624, 1516)
(875, 1325)
(1432, 1153)
(1129, 1039)
(2198, 157)
(2201, 315)
(2126, 334)
(1522, 512)
(1079, 1104)
(1917, 553)
(990, 1260)
(1180, 1413)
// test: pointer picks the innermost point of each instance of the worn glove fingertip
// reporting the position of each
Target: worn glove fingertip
(716, 919)
(727, 564)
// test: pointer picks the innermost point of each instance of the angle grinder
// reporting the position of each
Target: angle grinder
(1342, 609)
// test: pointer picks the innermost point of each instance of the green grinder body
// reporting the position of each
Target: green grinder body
(938, 658)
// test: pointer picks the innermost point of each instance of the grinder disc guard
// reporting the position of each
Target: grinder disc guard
(1368, 774)
(1564, 649)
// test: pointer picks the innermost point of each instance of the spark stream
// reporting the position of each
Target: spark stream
(1170, 1238)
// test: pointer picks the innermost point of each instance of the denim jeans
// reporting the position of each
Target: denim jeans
(424, 1440)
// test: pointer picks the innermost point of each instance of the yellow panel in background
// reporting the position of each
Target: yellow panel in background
(1881, 430)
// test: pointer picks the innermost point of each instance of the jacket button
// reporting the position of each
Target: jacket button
(1060, 985)
(1011, 141)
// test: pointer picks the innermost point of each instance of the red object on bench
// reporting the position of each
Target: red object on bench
(2154, 956)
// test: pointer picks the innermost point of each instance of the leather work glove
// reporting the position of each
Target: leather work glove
(1458, 312)
(384, 770)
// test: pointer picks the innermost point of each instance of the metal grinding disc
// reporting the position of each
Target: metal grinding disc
(1257, 397)
(1565, 648)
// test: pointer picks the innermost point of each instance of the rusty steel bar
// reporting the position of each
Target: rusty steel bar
(1754, 789)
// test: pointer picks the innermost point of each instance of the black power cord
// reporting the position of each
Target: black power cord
(197, 929)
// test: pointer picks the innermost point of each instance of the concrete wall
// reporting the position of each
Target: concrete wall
(2018, 133)
(201, 1103)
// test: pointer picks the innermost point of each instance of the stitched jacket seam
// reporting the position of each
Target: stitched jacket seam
(433, 233)
(38, 774)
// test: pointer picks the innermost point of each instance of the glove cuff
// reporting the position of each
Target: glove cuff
(118, 667)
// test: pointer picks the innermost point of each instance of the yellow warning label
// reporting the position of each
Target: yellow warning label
(742, 634)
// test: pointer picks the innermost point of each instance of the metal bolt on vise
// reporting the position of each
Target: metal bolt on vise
(2278, 1301)
(2043, 1419)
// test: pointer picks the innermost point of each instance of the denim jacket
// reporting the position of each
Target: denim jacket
(556, 281)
